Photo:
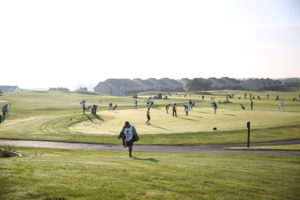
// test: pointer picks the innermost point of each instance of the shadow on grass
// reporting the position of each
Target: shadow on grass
(196, 116)
(96, 116)
(202, 112)
(160, 127)
(145, 159)
(187, 119)
(229, 115)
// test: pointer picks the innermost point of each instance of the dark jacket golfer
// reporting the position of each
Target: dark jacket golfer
(128, 135)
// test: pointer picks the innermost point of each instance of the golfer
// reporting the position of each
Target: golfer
(215, 107)
(174, 110)
(83, 105)
(148, 116)
(4, 111)
(251, 105)
(128, 135)
(167, 108)
(190, 105)
(186, 109)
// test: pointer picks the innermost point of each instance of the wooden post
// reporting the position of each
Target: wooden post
(248, 140)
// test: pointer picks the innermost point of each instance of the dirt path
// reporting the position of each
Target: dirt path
(207, 149)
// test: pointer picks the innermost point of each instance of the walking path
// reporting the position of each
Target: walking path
(207, 149)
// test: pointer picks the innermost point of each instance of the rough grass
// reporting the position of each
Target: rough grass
(70, 174)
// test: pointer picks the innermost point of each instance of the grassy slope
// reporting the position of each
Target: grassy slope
(47, 116)
(68, 174)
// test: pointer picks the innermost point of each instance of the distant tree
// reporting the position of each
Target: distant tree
(1, 92)
(60, 89)
(198, 84)
(83, 89)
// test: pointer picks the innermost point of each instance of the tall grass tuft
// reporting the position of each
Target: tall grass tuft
(7, 151)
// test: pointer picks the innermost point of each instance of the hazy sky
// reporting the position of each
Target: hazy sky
(67, 43)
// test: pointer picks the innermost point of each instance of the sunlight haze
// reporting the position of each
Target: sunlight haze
(71, 43)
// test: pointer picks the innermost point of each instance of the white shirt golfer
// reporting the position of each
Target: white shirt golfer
(128, 132)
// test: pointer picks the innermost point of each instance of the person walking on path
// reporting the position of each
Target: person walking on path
(129, 136)
(148, 116)
(174, 110)
(251, 104)
(167, 108)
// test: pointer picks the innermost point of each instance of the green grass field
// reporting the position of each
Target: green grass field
(47, 174)
(53, 115)
(68, 174)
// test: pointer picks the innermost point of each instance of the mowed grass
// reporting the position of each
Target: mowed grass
(200, 119)
(43, 115)
(60, 125)
(70, 174)
(290, 147)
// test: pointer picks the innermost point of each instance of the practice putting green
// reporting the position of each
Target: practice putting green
(200, 119)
